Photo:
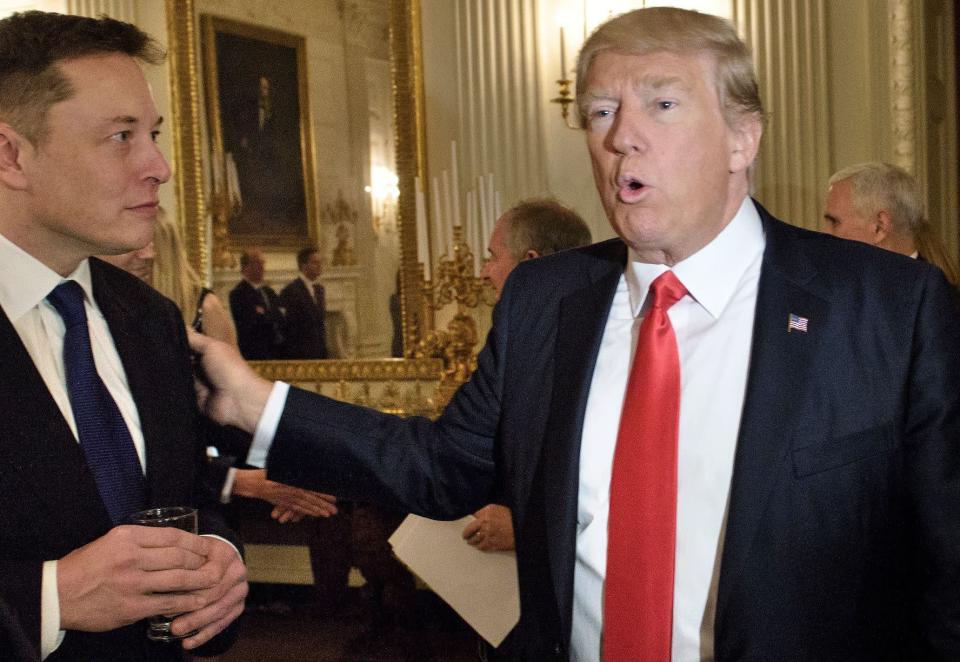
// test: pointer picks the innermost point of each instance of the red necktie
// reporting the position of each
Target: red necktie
(642, 527)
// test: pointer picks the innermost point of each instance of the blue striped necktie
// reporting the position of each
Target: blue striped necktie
(104, 437)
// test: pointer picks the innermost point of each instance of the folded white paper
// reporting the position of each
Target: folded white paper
(480, 586)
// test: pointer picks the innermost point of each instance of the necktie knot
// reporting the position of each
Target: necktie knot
(666, 290)
(67, 299)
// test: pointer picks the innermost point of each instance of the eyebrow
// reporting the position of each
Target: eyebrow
(831, 218)
(130, 119)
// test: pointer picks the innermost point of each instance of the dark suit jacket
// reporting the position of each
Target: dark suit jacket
(49, 504)
(842, 540)
(259, 330)
(13, 638)
(306, 326)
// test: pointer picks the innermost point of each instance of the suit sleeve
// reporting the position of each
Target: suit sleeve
(20, 594)
(442, 469)
(932, 470)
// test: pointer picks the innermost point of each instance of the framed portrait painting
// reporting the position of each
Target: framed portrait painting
(258, 117)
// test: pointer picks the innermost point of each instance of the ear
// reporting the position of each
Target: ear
(744, 139)
(530, 254)
(11, 168)
(880, 227)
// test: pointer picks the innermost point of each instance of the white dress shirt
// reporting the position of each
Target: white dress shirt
(714, 329)
(714, 326)
(24, 285)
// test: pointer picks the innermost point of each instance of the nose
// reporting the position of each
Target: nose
(626, 133)
(157, 169)
(485, 272)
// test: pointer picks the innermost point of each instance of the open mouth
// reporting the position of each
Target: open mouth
(630, 188)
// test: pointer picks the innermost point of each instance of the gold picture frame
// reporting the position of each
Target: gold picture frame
(417, 317)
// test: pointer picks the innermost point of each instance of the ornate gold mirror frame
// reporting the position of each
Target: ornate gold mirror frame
(378, 379)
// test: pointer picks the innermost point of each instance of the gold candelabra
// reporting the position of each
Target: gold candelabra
(455, 281)
(221, 208)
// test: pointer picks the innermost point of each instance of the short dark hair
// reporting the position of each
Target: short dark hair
(545, 226)
(33, 43)
(246, 257)
(303, 255)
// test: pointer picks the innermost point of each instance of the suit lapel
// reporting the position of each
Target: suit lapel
(133, 335)
(773, 403)
(581, 321)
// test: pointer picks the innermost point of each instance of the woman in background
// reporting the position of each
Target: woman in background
(163, 264)
(173, 277)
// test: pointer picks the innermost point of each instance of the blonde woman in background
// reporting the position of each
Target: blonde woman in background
(177, 280)
(163, 264)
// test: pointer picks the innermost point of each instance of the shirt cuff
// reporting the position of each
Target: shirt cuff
(211, 535)
(267, 425)
(228, 485)
(51, 636)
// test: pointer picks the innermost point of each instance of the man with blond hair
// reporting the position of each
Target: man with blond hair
(722, 437)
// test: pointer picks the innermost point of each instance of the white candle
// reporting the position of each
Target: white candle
(450, 219)
(563, 56)
(217, 173)
(438, 218)
(423, 241)
(455, 178)
(484, 209)
(491, 201)
(476, 230)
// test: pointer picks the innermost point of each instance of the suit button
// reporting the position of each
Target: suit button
(556, 650)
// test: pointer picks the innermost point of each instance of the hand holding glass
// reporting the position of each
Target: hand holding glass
(181, 518)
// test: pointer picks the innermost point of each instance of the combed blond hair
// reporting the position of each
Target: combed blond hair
(653, 29)
(173, 276)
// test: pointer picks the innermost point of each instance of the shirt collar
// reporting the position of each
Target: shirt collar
(25, 281)
(711, 274)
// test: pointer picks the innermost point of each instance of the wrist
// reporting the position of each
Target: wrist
(253, 403)
(245, 483)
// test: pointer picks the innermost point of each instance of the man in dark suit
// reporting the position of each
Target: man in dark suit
(305, 304)
(90, 353)
(257, 312)
(803, 458)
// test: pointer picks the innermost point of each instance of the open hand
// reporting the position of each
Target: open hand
(288, 500)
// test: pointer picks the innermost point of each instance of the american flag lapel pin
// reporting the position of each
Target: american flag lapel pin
(797, 323)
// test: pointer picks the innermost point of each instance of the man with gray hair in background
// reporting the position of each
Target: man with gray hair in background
(882, 205)
(531, 228)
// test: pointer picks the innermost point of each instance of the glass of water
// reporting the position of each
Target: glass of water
(180, 517)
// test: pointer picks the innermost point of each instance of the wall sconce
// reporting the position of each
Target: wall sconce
(383, 192)
(565, 98)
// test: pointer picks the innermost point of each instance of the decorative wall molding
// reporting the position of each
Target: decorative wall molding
(481, 63)
(902, 95)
